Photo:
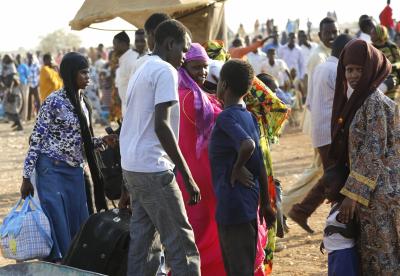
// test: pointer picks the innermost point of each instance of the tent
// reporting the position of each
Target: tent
(204, 18)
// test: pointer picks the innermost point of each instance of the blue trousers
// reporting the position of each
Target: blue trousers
(343, 262)
(61, 191)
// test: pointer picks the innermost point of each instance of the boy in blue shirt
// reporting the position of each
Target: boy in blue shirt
(238, 172)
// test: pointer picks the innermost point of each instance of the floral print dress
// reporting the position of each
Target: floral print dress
(374, 182)
(271, 114)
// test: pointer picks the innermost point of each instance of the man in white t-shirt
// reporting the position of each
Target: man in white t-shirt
(256, 58)
(275, 67)
(306, 46)
(291, 54)
(150, 152)
(126, 63)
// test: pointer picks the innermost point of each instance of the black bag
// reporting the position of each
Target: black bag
(102, 244)
(111, 169)
(112, 173)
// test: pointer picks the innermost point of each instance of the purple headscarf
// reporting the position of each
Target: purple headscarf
(202, 105)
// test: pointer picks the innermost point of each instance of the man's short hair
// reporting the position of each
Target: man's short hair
(171, 28)
(237, 42)
(154, 20)
(140, 32)
(366, 24)
(267, 79)
(47, 56)
(326, 20)
(339, 43)
(122, 37)
(238, 76)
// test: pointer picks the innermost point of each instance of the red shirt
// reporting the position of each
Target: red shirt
(386, 17)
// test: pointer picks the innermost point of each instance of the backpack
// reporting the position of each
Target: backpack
(102, 244)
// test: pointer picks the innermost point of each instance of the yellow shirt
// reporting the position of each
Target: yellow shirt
(49, 81)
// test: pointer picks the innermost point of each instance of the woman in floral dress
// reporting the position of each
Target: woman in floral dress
(366, 139)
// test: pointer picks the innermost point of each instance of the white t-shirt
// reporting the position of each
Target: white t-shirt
(320, 104)
(336, 241)
(278, 70)
(156, 81)
(256, 60)
(214, 68)
(126, 65)
(306, 52)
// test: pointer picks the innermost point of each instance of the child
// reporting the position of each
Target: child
(339, 242)
(238, 172)
(339, 238)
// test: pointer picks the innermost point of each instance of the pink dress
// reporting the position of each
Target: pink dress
(202, 215)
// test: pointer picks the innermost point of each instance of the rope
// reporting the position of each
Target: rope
(110, 30)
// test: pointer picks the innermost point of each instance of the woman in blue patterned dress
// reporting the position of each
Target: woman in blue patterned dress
(61, 139)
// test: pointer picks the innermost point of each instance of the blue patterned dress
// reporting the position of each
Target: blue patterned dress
(56, 153)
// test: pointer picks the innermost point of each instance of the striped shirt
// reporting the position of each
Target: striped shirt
(321, 102)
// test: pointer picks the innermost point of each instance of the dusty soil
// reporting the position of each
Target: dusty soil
(291, 156)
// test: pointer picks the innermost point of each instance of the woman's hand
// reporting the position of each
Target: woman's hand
(26, 188)
(346, 210)
(111, 140)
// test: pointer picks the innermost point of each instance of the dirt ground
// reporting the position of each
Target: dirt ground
(291, 156)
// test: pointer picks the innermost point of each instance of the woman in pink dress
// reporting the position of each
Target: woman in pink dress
(199, 111)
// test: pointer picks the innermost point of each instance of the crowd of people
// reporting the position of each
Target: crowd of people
(33, 76)
(197, 124)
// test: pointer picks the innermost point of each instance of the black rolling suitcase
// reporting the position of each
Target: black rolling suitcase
(102, 244)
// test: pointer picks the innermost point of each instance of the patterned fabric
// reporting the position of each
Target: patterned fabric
(115, 107)
(56, 134)
(271, 113)
(34, 73)
(392, 53)
(374, 182)
(26, 234)
(216, 51)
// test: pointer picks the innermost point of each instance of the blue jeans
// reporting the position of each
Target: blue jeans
(157, 206)
(61, 191)
(343, 262)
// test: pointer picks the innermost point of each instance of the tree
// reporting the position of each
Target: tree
(59, 40)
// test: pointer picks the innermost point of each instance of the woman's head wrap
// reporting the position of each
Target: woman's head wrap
(203, 107)
(382, 35)
(215, 50)
(70, 65)
(376, 69)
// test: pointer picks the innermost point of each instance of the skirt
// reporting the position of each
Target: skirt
(61, 191)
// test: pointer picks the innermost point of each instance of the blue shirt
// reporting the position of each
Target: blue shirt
(271, 45)
(284, 96)
(23, 72)
(236, 204)
(57, 134)
(34, 73)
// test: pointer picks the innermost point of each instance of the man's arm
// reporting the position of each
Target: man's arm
(239, 171)
(168, 141)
